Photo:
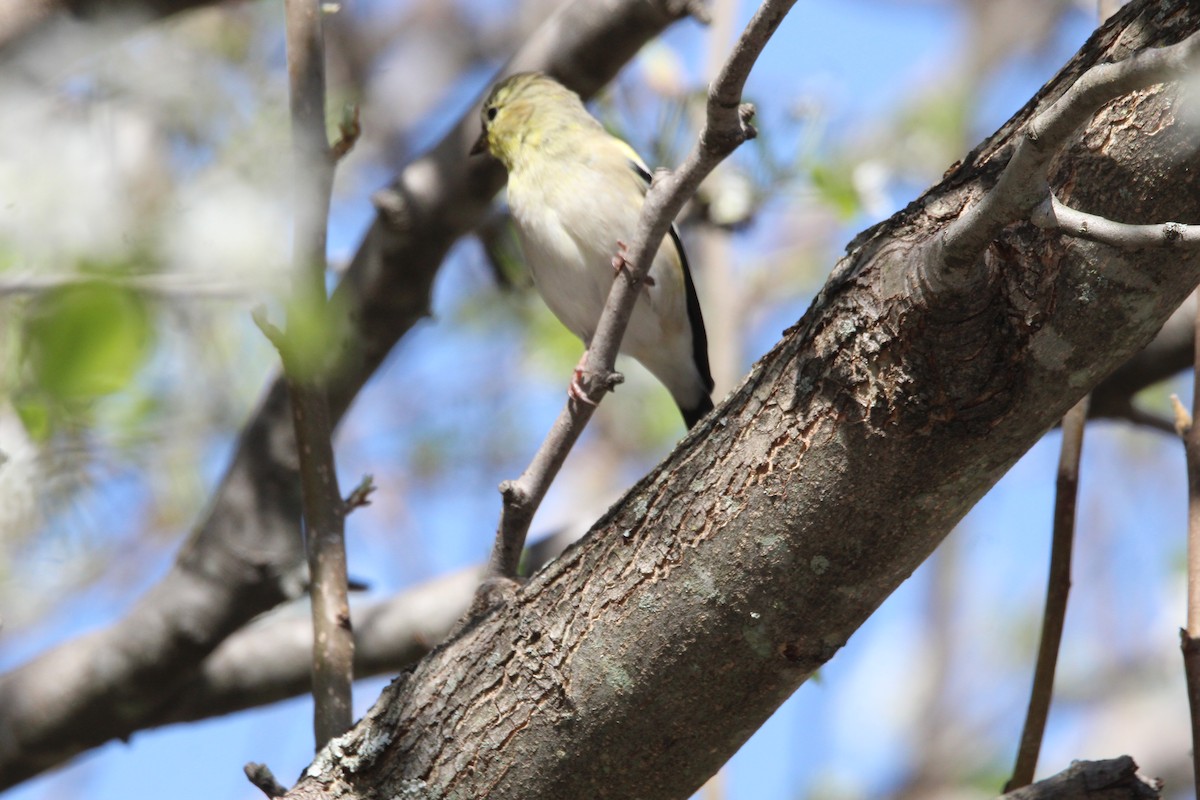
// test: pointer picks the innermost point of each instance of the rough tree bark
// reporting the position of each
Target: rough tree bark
(641, 659)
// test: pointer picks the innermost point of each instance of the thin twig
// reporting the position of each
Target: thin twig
(313, 164)
(1147, 419)
(1022, 185)
(727, 125)
(360, 496)
(1189, 637)
(1053, 214)
(1057, 588)
(262, 777)
(349, 129)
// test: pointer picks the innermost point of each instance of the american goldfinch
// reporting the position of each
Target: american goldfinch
(575, 191)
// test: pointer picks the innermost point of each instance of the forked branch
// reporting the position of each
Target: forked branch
(1023, 183)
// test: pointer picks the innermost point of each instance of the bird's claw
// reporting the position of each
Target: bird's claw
(621, 261)
(575, 388)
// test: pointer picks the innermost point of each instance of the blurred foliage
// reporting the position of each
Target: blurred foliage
(81, 342)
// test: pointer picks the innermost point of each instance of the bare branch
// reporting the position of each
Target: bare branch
(1189, 636)
(324, 517)
(1022, 184)
(262, 777)
(726, 127)
(270, 659)
(1058, 586)
(360, 496)
(1170, 352)
(1115, 779)
(1053, 215)
(1146, 419)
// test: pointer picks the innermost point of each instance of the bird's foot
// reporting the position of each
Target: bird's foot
(600, 382)
(575, 389)
(621, 261)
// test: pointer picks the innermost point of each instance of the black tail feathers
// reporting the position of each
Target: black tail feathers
(693, 415)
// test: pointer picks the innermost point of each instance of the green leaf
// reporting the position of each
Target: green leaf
(86, 341)
(35, 416)
(836, 189)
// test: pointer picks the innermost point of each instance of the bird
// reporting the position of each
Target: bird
(575, 192)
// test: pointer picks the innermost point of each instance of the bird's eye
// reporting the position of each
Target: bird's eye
(491, 113)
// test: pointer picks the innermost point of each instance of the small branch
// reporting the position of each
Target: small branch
(1171, 351)
(270, 330)
(727, 125)
(349, 129)
(1021, 185)
(262, 777)
(1183, 419)
(313, 163)
(1114, 779)
(1057, 588)
(1053, 215)
(1146, 419)
(1189, 637)
(360, 496)
(271, 658)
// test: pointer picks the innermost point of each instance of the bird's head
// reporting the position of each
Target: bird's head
(526, 110)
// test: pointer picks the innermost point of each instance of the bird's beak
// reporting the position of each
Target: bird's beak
(481, 144)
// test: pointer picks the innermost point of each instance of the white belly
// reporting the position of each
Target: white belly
(573, 270)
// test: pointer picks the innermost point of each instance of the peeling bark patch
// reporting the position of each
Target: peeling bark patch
(701, 583)
(617, 677)
(759, 640)
(413, 789)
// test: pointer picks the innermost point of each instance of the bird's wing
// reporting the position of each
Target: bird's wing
(695, 317)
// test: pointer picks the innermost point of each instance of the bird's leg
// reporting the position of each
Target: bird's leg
(575, 389)
(621, 261)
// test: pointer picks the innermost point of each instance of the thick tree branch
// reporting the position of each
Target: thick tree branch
(758, 547)
(245, 556)
(269, 659)
(1115, 779)
(726, 127)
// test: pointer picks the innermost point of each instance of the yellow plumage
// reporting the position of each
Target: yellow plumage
(574, 191)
